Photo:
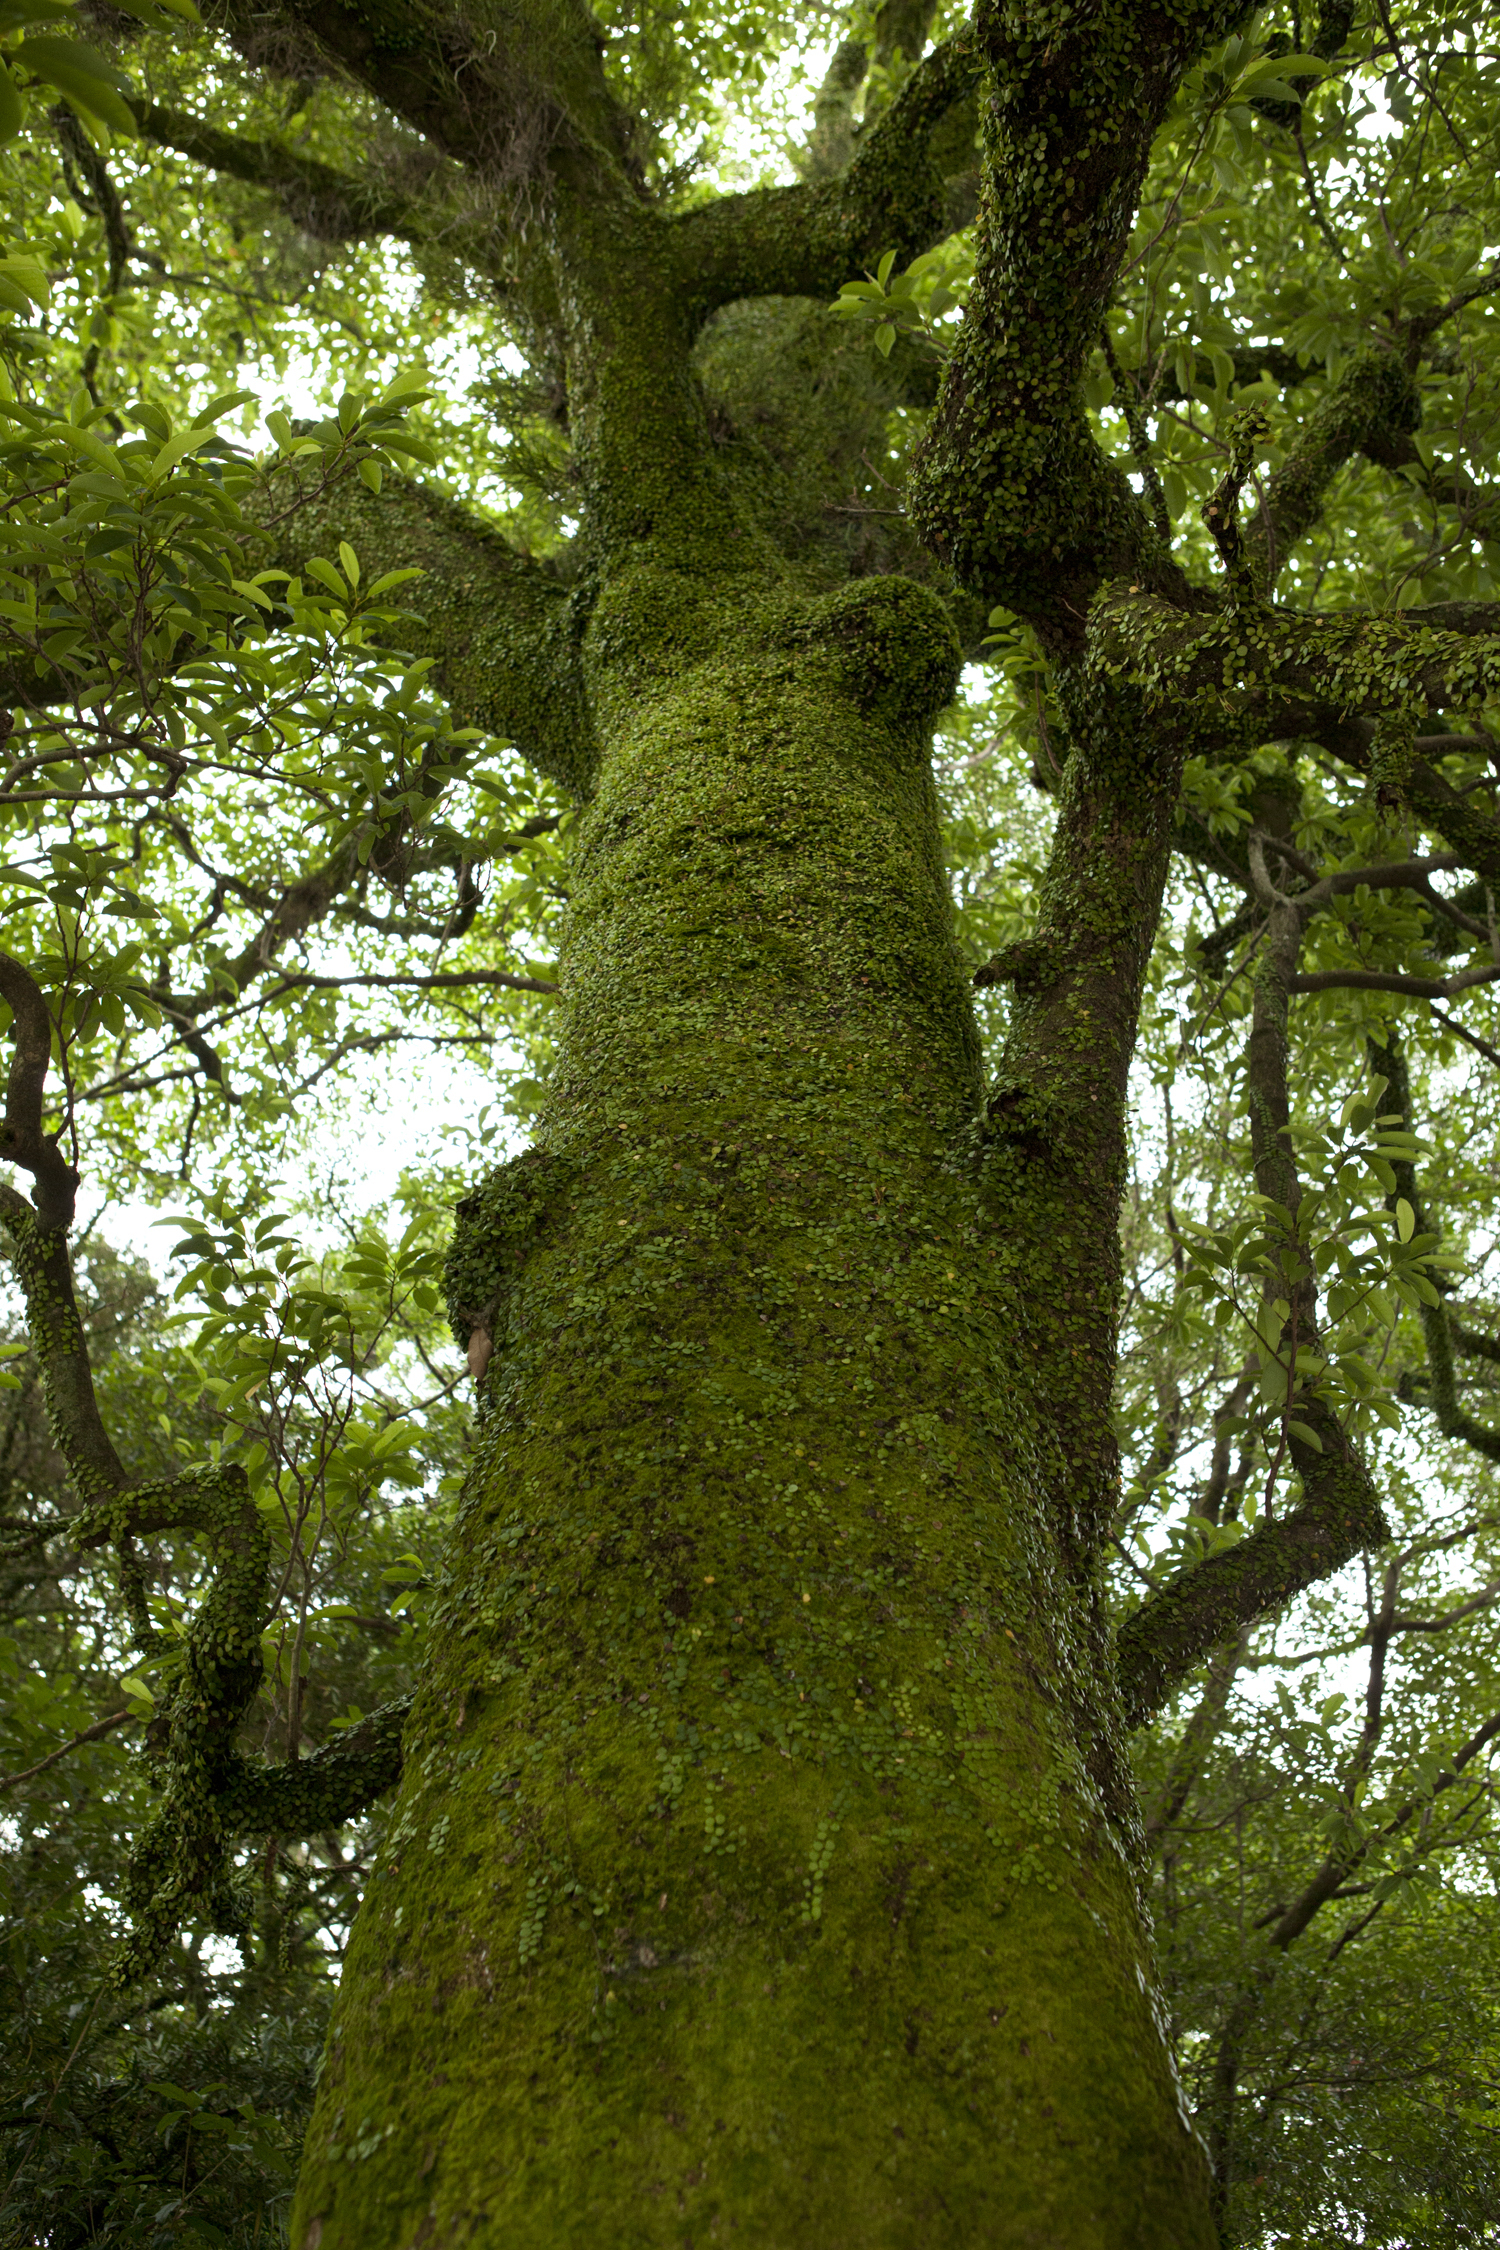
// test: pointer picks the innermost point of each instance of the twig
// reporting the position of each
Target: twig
(89, 1734)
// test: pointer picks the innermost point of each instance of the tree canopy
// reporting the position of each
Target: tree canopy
(1120, 385)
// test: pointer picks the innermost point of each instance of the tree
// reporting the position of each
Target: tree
(766, 1852)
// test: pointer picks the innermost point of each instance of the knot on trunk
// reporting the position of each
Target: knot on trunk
(494, 1228)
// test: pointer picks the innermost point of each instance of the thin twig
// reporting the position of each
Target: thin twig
(89, 1734)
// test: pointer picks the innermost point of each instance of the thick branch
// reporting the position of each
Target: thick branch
(1173, 1630)
(1011, 487)
(1057, 1111)
(1373, 401)
(806, 241)
(831, 142)
(334, 206)
(22, 1137)
(501, 625)
(511, 89)
(308, 1795)
(1304, 672)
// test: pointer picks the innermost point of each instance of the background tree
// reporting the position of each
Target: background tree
(770, 1748)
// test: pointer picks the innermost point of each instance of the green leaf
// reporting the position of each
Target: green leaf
(159, 13)
(13, 13)
(1305, 1436)
(326, 575)
(1287, 66)
(1406, 1219)
(409, 386)
(26, 275)
(174, 2093)
(89, 82)
(12, 108)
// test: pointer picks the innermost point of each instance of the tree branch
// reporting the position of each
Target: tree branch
(805, 241)
(440, 981)
(1010, 485)
(502, 626)
(54, 1757)
(1340, 1511)
(514, 93)
(1442, 1399)
(1382, 980)
(307, 1795)
(331, 205)
(179, 1866)
(1373, 401)
(1197, 1737)
(1306, 672)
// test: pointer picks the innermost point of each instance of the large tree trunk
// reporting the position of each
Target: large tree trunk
(750, 1879)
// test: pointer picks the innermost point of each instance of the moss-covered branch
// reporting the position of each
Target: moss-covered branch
(1057, 1110)
(179, 1867)
(1373, 403)
(38, 1232)
(1309, 672)
(805, 241)
(310, 1795)
(1011, 487)
(1172, 1632)
(502, 626)
(514, 92)
(332, 205)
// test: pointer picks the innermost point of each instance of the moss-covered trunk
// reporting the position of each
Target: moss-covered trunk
(747, 1881)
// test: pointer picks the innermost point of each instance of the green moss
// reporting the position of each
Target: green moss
(493, 1231)
(1011, 488)
(748, 1873)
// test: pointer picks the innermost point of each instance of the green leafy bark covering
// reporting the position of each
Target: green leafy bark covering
(747, 1868)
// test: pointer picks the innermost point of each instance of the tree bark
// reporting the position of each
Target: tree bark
(749, 1872)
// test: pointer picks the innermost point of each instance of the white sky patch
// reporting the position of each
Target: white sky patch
(1381, 124)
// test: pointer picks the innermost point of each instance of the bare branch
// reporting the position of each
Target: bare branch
(53, 1757)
